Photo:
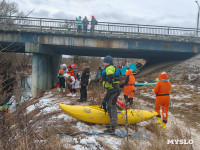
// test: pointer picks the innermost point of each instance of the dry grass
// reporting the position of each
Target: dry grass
(29, 136)
(129, 145)
(156, 129)
(161, 140)
(105, 146)
(96, 93)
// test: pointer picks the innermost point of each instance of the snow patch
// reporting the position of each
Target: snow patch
(30, 108)
(82, 126)
(88, 140)
(63, 116)
(87, 143)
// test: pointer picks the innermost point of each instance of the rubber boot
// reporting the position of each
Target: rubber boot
(109, 130)
(63, 89)
(164, 125)
(80, 100)
(59, 89)
(126, 98)
(130, 100)
(158, 119)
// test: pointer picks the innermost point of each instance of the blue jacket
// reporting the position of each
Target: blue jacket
(79, 21)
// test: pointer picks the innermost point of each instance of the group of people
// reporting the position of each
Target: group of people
(68, 76)
(110, 80)
(84, 24)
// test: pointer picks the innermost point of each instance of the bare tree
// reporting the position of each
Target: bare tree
(8, 74)
(8, 9)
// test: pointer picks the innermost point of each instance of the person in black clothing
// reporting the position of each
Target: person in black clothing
(93, 23)
(84, 82)
(85, 24)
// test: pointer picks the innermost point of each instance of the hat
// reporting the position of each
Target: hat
(163, 75)
(69, 66)
(92, 16)
(108, 59)
(73, 65)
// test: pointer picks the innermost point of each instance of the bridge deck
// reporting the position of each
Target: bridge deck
(103, 29)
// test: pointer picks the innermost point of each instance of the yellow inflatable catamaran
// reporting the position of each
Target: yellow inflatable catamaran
(95, 114)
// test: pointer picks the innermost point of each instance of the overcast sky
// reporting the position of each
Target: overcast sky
(180, 13)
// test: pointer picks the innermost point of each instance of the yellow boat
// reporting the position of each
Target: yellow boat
(97, 115)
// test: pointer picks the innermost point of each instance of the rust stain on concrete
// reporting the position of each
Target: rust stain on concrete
(166, 46)
(195, 48)
(104, 43)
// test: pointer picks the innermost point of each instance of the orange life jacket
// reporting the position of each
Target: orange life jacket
(61, 71)
(71, 72)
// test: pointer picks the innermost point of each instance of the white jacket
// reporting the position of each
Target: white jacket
(73, 80)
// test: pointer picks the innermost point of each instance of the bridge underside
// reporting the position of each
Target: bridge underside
(151, 55)
(47, 52)
(122, 53)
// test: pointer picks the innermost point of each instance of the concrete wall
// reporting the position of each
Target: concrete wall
(44, 71)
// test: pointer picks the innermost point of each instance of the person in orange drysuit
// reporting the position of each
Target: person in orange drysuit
(162, 91)
(70, 70)
(129, 88)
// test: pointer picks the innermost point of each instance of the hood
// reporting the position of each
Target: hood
(163, 75)
(129, 72)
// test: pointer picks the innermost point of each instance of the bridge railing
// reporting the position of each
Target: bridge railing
(106, 28)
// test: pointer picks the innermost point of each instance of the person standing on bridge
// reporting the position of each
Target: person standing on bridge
(85, 24)
(162, 91)
(93, 23)
(110, 78)
(129, 88)
(79, 24)
(84, 82)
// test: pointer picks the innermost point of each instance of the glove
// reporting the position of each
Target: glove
(104, 106)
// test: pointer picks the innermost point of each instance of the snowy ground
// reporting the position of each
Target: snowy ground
(183, 122)
(49, 104)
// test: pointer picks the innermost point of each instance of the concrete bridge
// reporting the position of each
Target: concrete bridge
(48, 39)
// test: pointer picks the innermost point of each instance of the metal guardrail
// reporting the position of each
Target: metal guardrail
(46, 24)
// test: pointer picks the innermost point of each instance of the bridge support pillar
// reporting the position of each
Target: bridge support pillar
(44, 71)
